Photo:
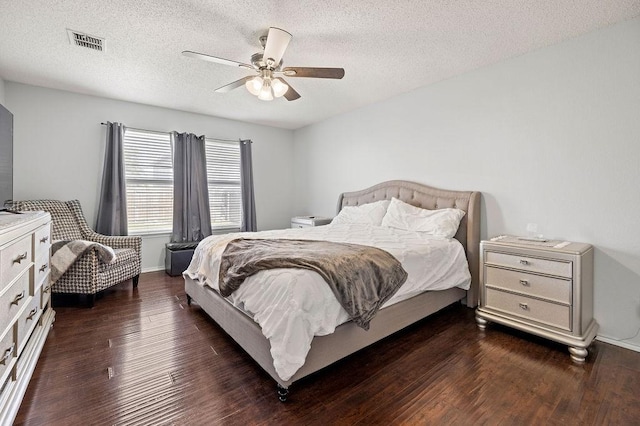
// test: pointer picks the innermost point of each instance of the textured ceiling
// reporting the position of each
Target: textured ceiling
(386, 47)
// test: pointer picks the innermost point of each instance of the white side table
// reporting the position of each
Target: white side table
(309, 221)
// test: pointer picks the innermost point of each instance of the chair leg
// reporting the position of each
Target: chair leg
(135, 281)
(87, 300)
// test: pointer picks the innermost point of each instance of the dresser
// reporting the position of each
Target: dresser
(543, 288)
(26, 315)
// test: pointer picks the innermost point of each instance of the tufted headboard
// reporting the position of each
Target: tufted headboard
(431, 198)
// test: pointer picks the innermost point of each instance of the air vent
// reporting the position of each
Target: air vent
(85, 40)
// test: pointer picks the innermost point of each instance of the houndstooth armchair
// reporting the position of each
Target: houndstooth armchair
(88, 275)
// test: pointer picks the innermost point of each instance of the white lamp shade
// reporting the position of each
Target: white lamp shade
(266, 94)
(254, 85)
(279, 87)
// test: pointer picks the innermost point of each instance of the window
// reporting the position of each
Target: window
(223, 178)
(149, 182)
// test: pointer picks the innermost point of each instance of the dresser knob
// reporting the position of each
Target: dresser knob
(524, 262)
(524, 283)
(7, 354)
(524, 306)
(44, 239)
(32, 313)
(20, 258)
(18, 298)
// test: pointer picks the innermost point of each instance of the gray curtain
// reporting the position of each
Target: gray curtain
(246, 184)
(112, 207)
(191, 216)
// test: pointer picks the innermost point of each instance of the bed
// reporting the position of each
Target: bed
(347, 337)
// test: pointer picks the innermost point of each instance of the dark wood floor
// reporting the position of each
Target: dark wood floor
(144, 357)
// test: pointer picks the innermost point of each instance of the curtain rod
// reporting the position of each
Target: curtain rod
(155, 131)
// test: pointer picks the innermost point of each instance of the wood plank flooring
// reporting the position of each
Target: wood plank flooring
(144, 357)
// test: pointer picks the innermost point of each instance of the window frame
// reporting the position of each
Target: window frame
(234, 209)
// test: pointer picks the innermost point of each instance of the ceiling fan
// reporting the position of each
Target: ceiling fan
(268, 82)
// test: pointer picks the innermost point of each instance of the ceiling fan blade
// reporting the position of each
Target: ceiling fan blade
(290, 94)
(314, 72)
(277, 42)
(229, 87)
(216, 59)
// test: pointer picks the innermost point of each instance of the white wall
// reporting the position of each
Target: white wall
(551, 137)
(59, 151)
(1, 91)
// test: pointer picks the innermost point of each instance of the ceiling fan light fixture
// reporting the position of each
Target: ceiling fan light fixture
(266, 93)
(268, 64)
(279, 87)
(254, 85)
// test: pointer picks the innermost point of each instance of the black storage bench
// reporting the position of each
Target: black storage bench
(178, 256)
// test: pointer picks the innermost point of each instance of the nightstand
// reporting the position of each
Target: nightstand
(309, 221)
(543, 288)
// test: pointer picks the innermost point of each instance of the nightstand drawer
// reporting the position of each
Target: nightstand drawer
(555, 289)
(532, 264)
(528, 308)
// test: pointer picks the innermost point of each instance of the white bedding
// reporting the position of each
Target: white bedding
(293, 305)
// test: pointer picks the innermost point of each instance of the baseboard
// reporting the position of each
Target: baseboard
(153, 269)
(620, 343)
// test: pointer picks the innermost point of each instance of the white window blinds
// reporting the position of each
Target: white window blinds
(223, 177)
(149, 181)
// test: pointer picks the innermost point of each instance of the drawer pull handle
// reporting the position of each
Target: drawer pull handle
(32, 313)
(20, 258)
(18, 298)
(523, 306)
(524, 262)
(46, 289)
(7, 354)
(524, 283)
(44, 239)
(44, 267)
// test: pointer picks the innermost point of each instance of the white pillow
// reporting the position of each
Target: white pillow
(440, 223)
(369, 214)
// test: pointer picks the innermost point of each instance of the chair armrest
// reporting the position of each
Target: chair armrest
(117, 242)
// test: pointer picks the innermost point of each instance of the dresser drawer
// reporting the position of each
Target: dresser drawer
(12, 300)
(550, 288)
(42, 241)
(41, 272)
(14, 259)
(28, 321)
(45, 292)
(528, 308)
(531, 264)
(7, 354)
(6, 386)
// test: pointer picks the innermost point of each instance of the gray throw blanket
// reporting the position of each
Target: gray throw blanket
(362, 278)
(65, 253)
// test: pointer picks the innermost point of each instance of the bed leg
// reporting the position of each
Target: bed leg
(283, 393)
(189, 300)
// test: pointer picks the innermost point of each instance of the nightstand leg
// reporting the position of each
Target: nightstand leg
(578, 355)
(482, 323)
